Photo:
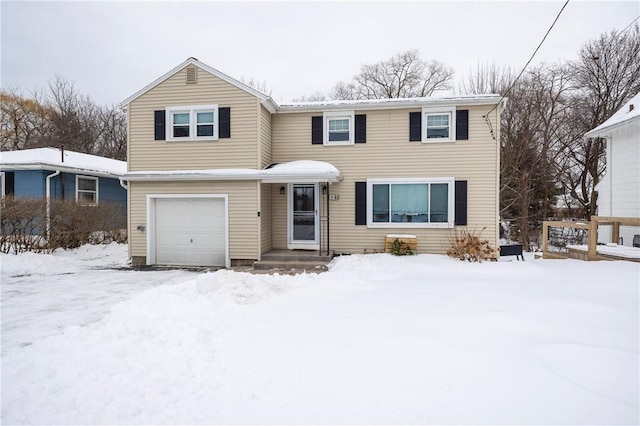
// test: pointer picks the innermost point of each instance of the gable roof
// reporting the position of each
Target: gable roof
(264, 98)
(365, 104)
(69, 162)
(630, 111)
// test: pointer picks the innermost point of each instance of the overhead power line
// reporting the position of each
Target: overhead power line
(525, 67)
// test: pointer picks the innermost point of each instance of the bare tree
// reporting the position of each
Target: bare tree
(74, 120)
(23, 122)
(112, 141)
(606, 75)
(260, 86)
(316, 96)
(404, 75)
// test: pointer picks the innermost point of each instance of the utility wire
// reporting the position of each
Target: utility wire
(630, 24)
(525, 67)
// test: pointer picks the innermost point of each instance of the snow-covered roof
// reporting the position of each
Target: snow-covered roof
(364, 104)
(54, 159)
(303, 171)
(630, 110)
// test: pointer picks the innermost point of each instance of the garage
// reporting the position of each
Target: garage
(189, 231)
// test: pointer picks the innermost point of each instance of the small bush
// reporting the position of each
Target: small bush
(24, 225)
(467, 245)
(400, 248)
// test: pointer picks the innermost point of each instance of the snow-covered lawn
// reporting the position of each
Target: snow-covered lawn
(377, 339)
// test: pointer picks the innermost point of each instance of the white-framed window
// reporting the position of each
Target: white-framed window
(439, 124)
(188, 123)
(410, 203)
(339, 128)
(86, 189)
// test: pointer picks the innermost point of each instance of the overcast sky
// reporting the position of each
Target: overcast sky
(113, 49)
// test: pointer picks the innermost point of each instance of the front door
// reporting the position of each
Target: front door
(303, 216)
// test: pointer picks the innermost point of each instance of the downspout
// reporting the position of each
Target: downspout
(48, 195)
(124, 185)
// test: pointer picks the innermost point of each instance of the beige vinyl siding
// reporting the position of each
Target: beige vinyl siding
(240, 150)
(266, 217)
(388, 153)
(243, 208)
(265, 137)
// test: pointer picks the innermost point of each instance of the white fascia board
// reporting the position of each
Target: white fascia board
(54, 167)
(192, 61)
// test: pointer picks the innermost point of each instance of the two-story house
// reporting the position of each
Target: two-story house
(220, 174)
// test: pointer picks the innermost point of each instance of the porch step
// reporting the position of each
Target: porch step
(293, 260)
(291, 265)
(296, 255)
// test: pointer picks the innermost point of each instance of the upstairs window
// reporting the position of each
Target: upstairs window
(198, 122)
(339, 128)
(439, 124)
(86, 190)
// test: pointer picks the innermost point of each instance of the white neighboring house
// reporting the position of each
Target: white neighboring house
(619, 190)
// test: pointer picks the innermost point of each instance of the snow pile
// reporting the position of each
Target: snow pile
(378, 339)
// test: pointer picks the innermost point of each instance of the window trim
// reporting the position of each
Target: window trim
(451, 111)
(450, 181)
(193, 111)
(97, 191)
(2, 185)
(333, 115)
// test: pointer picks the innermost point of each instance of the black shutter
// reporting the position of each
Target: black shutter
(159, 132)
(415, 126)
(9, 183)
(361, 203)
(462, 124)
(361, 128)
(316, 130)
(461, 203)
(224, 122)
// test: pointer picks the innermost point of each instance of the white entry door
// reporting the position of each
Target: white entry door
(190, 231)
(303, 220)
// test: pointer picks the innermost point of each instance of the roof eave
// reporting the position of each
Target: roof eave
(603, 131)
(54, 167)
(390, 104)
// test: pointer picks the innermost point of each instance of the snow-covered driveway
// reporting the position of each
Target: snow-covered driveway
(378, 339)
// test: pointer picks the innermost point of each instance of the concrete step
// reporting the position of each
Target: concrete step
(296, 256)
(289, 265)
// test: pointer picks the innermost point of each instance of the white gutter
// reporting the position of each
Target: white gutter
(220, 175)
(48, 195)
(124, 185)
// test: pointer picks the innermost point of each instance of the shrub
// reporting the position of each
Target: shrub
(467, 245)
(24, 224)
(400, 248)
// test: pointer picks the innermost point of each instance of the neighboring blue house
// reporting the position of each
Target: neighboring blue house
(68, 175)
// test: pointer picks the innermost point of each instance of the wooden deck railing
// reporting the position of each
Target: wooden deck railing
(592, 229)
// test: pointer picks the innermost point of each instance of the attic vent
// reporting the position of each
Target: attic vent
(192, 75)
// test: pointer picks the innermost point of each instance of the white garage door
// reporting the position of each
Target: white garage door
(190, 231)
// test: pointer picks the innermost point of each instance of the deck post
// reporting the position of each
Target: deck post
(593, 239)
(615, 232)
(545, 237)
